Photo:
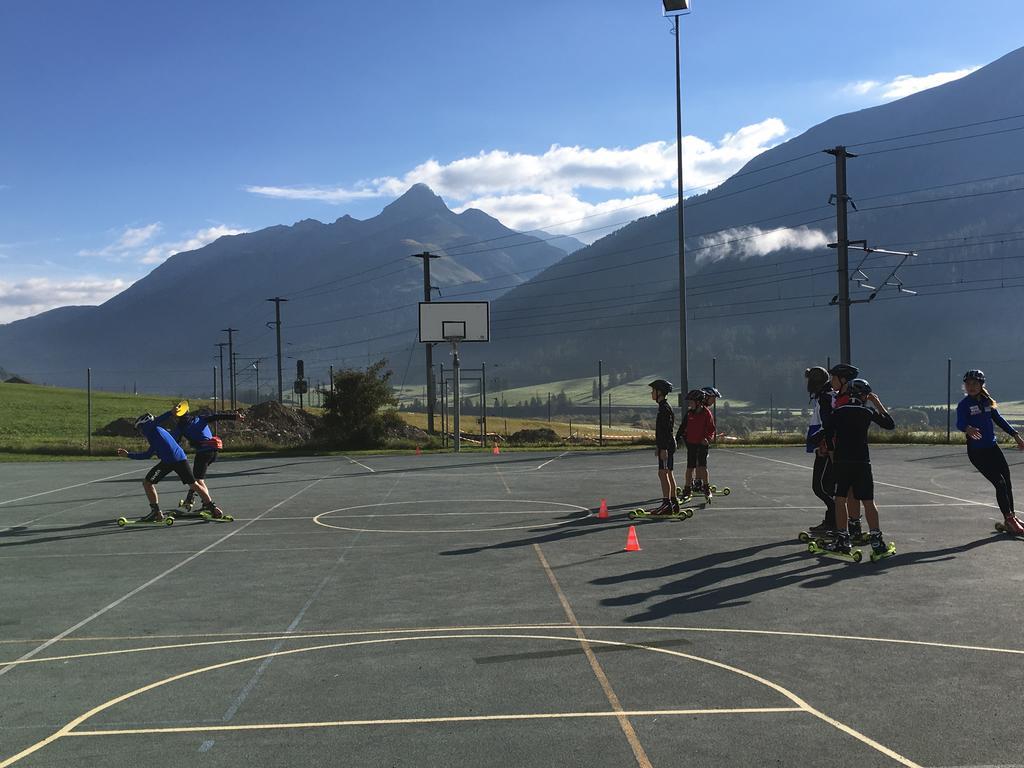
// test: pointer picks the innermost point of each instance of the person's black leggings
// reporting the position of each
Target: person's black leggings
(992, 464)
(823, 484)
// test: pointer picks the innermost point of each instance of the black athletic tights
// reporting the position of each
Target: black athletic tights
(824, 486)
(992, 464)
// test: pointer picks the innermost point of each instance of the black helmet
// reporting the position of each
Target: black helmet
(817, 377)
(697, 395)
(975, 375)
(661, 385)
(859, 388)
(711, 391)
(143, 420)
(844, 371)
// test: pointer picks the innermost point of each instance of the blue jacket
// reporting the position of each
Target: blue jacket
(196, 429)
(980, 413)
(161, 443)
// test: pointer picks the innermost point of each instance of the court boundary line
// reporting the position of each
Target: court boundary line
(69, 487)
(110, 606)
(69, 727)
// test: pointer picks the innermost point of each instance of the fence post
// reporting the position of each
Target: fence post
(88, 388)
(949, 399)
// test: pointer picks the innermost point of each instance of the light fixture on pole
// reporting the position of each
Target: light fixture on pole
(675, 9)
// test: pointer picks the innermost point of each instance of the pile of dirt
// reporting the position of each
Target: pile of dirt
(271, 422)
(403, 431)
(542, 435)
(118, 428)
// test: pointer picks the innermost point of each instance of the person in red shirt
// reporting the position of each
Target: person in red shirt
(696, 432)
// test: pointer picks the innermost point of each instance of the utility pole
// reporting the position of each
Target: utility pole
(234, 381)
(277, 325)
(221, 345)
(231, 358)
(600, 398)
(427, 256)
(483, 402)
(842, 246)
(256, 365)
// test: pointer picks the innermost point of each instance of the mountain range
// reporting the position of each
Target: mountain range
(937, 173)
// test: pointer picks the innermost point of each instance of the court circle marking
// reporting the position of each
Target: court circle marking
(69, 729)
(558, 524)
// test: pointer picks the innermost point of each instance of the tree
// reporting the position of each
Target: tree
(354, 415)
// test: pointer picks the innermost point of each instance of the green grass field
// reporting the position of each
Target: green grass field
(51, 420)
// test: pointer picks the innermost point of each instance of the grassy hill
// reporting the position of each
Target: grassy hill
(54, 420)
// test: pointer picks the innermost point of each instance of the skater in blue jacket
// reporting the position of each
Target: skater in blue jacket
(195, 427)
(172, 459)
(976, 416)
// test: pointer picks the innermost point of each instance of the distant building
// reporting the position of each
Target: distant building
(16, 380)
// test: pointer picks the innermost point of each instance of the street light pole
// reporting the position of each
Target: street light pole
(675, 8)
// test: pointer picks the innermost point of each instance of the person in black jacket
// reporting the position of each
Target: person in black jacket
(665, 447)
(846, 430)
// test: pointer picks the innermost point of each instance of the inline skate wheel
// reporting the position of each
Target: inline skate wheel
(857, 555)
(804, 537)
(1000, 527)
(122, 521)
(726, 491)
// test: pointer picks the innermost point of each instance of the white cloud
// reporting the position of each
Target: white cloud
(162, 251)
(745, 242)
(542, 190)
(129, 239)
(33, 295)
(905, 85)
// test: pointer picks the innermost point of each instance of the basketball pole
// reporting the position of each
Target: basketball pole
(458, 390)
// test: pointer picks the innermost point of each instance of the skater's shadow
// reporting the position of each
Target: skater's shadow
(703, 590)
(23, 535)
(584, 526)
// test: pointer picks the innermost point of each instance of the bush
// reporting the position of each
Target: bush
(541, 435)
(353, 413)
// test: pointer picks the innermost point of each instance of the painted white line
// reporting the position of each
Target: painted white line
(503, 481)
(442, 719)
(28, 523)
(69, 487)
(154, 580)
(877, 482)
(554, 459)
(360, 464)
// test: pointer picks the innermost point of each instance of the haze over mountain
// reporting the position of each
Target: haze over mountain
(346, 281)
(759, 277)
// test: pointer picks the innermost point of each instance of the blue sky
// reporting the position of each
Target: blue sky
(133, 130)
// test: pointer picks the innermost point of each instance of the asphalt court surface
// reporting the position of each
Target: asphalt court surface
(471, 610)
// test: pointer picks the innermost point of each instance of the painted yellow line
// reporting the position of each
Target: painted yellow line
(70, 727)
(275, 637)
(422, 720)
(627, 727)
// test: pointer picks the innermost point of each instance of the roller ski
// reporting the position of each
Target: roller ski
(186, 505)
(213, 514)
(857, 536)
(684, 494)
(1011, 526)
(880, 549)
(665, 511)
(156, 517)
(839, 548)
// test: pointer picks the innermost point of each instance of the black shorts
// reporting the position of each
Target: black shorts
(202, 461)
(161, 470)
(855, 475)
(668, 463)
(696, 455)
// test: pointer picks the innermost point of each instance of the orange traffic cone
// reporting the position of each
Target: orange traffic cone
(418, 451)
(602, 513)
(496, 450)
(632, 544)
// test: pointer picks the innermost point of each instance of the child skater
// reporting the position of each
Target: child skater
(819, 387)
(697, 432)
(847, 430)
(975, 416)
(665, 447)
(842, 374)
(195, 427)
(172, 459)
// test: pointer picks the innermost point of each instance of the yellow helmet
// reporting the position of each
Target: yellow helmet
(181, 408)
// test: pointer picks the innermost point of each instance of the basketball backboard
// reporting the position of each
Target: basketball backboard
(455, 320)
